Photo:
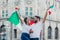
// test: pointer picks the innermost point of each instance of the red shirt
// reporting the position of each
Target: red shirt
(31, 22)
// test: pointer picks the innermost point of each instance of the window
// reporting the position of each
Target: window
(56, 33)
(26, 11)
(17, 2)
(5, 3)
(2, 13)
(30, 11)
(49, 32)
(30, 8)
(26, 14)
(6, 13)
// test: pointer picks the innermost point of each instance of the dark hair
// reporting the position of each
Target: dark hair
(2, 25)
(38, 17)
(31, 17)
(25, 20)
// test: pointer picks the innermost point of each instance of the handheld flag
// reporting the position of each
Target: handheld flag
(49, 12)
(16, 7)
(14, 19)
(51, 6)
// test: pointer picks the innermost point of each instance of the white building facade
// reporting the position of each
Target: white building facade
(51, 28)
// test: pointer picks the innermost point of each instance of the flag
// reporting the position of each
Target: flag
(51, 6)
(16, 7)
(49, 12)
(14, 19)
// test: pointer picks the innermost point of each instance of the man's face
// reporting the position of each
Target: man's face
(35, 19)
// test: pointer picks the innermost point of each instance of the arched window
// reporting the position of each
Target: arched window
(49, 32)
(56, 33)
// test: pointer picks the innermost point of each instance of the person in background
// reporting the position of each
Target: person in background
(37, 27)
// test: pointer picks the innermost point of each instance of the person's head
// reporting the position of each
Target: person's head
(31, 18)
(2, 26)
(36, 19)
(27, 20)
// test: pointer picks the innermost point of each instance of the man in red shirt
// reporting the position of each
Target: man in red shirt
(32, 21)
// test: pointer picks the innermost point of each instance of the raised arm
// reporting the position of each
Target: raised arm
(22, 21)
(20, 18)
(45, 16)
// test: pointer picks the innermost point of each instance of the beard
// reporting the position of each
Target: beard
(35, 21)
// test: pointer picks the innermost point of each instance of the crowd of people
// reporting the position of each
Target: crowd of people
(32, 27)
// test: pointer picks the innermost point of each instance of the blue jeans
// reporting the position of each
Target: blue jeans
(34, 38)
(25, 36)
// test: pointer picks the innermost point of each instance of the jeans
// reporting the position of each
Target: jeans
(25, 36)
(34, 38)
